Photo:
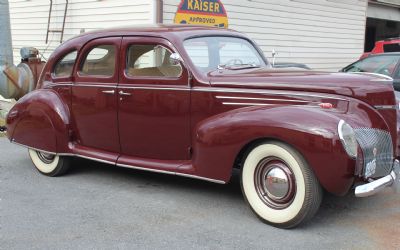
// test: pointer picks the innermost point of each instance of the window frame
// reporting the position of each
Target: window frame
(125, 79)
(98, 79)
(59, 59)
(125, 69)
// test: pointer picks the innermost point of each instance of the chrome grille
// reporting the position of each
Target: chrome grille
(377, 149)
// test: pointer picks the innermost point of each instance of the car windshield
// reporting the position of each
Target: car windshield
(385, 64)
(224, 53)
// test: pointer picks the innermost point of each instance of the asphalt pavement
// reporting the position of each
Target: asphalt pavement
(98, 206)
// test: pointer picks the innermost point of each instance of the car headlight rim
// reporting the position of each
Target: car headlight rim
(348, 138)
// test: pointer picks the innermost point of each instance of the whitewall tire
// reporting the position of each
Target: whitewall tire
(279, 186)
(49, 164)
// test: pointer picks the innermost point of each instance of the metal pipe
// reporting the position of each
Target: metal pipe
(158, 9)
(6, 54)
(14, 81)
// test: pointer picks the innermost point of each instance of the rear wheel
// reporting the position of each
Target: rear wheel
(279, 186)
(49, 164)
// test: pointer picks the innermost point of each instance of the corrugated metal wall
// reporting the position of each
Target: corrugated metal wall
(29, 19)
(324, 34)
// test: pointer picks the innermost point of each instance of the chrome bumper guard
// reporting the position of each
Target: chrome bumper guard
(391, 180)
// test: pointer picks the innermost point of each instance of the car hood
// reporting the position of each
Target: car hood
(374, 90)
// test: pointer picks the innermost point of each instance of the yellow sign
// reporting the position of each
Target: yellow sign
(202, 12)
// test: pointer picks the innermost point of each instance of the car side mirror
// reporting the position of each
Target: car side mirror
(175, 59)
(396, 84)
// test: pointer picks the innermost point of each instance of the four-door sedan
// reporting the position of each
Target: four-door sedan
(198, 102)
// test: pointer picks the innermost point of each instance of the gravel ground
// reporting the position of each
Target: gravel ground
(97, 206)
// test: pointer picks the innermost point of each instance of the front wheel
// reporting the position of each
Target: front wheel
(49, 164)
(279, 186)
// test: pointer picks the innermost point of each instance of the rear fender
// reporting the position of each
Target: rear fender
(40, 120)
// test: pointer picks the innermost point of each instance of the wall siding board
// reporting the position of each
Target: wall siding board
(324, 34)
(29, 20)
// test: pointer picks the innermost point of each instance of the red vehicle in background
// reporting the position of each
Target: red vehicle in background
(383, 46)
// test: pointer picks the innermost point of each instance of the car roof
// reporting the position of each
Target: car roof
(171, 32)
(384, 54)
(168, 31)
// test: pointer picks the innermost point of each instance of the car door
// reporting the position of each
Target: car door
(94, 99)
(154, 101)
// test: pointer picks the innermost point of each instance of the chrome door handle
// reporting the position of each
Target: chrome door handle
(124, 93)
(110, 92)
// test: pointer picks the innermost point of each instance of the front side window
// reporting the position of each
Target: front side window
(210, 53)
(100, 61)
(64, 66)
(375, 64)
(151, 61)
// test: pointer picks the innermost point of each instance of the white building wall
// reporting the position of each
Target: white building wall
(29, 19)
(324, 34)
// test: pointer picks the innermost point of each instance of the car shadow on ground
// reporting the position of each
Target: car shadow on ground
(347, 210)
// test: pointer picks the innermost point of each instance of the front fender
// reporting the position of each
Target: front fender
(40, 120)
(310, 130)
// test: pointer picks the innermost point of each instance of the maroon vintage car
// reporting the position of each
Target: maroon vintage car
(198, 102)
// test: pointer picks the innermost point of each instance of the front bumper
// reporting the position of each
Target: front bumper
(391, 180)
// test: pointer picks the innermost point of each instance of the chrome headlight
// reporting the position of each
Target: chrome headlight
(348, 138)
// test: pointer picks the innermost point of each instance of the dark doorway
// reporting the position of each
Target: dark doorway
(379, 29)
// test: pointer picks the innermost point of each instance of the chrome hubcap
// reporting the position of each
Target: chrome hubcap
(46, 158)
(275, 183)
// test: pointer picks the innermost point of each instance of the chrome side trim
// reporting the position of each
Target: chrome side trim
(246, 104)
(41, 150)
(146, 169)
(94, 159)
(126, 166)
(50, 85)
(111, 85)
(201, 178)
(385, 106)
(172, 173)
(255, 91)
(205, 89)
(153, 88)
(64, 154)
(260, 99)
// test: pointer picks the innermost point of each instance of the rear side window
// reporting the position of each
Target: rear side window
(395, 47)
(64, 66)
(100, 61)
